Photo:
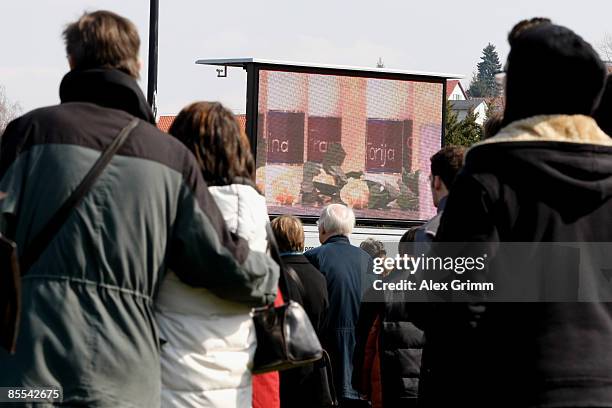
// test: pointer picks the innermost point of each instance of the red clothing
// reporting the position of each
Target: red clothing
(266, 387)
(371, 376)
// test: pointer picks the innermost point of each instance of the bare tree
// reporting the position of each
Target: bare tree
(605, 47)
(8, 110)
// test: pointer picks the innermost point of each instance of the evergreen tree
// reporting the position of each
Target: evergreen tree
(483, 82)
(477, 88)
(461, 133)
(452, 124)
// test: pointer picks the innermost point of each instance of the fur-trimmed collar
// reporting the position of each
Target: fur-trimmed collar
(552, 128)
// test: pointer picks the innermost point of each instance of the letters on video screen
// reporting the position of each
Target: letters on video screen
(363, 142)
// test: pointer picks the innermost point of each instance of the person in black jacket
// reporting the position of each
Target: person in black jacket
(390, 377)
(545, 177)
(302, 387)
(289, 234)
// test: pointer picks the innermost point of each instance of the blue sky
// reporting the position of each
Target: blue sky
(429, 35)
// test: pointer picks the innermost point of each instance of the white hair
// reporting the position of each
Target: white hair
(337, 219)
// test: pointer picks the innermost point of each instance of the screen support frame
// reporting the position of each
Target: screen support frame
(252, 105)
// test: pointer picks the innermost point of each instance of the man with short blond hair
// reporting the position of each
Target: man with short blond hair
(87, 320)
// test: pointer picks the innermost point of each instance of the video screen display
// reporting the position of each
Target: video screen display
(363, 142)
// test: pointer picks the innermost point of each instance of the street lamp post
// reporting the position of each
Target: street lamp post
(153, 35)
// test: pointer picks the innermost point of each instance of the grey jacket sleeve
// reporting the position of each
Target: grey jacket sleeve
(11, 174)
(204, 253)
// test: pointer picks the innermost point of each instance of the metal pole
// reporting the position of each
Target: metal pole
(252, 105)
(153, 34)
(445, 113)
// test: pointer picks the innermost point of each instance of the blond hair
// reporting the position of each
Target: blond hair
(289, 233)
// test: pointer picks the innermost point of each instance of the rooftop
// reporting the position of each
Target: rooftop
(243, 62)
(467, 104)
(165, 121)
(450, 86)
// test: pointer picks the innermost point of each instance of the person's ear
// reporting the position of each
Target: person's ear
(437, 183)
(70, 62)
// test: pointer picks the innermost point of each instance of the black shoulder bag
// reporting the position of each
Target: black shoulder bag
(285, 336)
(12, 268)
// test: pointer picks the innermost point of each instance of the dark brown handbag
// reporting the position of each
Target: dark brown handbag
(12, 268)
(285, 336)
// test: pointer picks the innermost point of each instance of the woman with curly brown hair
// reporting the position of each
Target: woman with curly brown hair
(209, 341)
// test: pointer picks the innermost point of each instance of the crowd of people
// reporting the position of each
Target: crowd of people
(144, 296)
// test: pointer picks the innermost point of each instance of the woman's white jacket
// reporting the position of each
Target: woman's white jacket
(210, 342)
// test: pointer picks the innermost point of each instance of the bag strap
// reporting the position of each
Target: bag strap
(332, 388)
(296, 278)
(44, 237)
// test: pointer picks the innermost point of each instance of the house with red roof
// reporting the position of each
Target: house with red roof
(165, 121)
(455, 91)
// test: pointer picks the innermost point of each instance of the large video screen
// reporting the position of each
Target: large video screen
(364, 142)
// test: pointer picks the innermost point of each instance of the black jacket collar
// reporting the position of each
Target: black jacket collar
(110, 88)
(295, 259)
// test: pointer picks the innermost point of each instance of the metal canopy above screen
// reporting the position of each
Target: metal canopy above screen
(243, 62)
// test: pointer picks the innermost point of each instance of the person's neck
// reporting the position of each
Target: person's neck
(290, 253)
(335, 237)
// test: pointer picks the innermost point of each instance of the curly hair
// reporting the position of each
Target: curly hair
(213, 135)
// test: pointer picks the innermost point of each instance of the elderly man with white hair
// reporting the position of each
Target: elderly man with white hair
(344, 266)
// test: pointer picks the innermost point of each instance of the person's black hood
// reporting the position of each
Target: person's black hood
(110, 88)
(572, 174)
(551, 70)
